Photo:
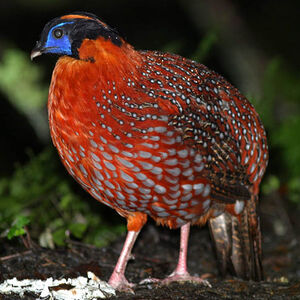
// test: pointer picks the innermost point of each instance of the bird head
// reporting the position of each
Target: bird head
(64, 35)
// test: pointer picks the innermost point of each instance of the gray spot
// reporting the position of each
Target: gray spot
(98, 166)
(128, 145)
(109, 184)
(109, 165)
(175, 187)
(109, 193)
(144, 191)
(103, 140)
(169, 141)
(171, 180)
(206, 204)
(126, 177)
(127, 154)
(98, 175)
(183, 205)
(132, 198)
(132, 185)
(136, 169)
(182, 153)
(163, 214)
(187, 187)
(93, 143)
(156, 158)
(185, 163)
(190, 216)
(149, 182)
(180, 221)
(187, 197)
(171, 162)
(97, 182)
(206, 191)
(194, 202)
(141, 176)
(188, 172)
(95, 157)
(106, 155)
(145, 154)
(127, 190)
(83, 170)
(252, 168)
(145, 165)
(175, 195)
(199, 168)
(113, 148)
(160, 129)
(121, 202)
(168, 201)
(174, 171)
(182, 212)
(154, 138)
(172, 152)
(125, 162)
(107, 174)
(159, 189)
(156, 170)
(239, 206)
(120, 195)
(148, 145)
(70, 158)
(158, 208)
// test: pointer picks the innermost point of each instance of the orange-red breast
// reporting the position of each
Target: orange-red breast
(155, 134)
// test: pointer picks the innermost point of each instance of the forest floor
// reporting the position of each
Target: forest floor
(155, 255)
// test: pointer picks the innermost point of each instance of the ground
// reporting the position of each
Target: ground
(155, 255)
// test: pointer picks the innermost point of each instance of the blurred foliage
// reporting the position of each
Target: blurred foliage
(208, 41)
(279, 109)
(39, 193)
(21, 83)
(40, 197)
(20, 80)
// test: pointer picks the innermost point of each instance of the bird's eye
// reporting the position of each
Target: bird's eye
(58, 33)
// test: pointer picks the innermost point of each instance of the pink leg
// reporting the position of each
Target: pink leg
(181, 273)
(181, 269)
(117, 279)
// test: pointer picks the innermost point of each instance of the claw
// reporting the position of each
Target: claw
(176, 277)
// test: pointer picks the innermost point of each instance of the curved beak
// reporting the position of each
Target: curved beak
(36, 51)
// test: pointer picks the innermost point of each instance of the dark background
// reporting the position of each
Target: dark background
(254, 44)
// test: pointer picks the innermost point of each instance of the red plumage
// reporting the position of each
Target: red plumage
(154, 134)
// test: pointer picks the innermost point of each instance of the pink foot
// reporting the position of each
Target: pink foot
(181, 277)
(177, 277)
(120, 283)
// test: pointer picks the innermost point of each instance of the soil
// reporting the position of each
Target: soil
(155, 255)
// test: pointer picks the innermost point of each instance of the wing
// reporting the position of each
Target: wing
(211, 117)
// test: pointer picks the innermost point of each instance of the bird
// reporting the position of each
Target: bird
(153, 134)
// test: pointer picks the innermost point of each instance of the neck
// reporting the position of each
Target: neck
(109, 56)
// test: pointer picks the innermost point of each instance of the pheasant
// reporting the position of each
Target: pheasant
(155, 134)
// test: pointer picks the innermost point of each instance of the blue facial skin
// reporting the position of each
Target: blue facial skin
(60, 45)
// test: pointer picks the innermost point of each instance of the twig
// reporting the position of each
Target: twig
(3, 258)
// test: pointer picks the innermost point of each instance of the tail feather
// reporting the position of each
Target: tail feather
(238, 242)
